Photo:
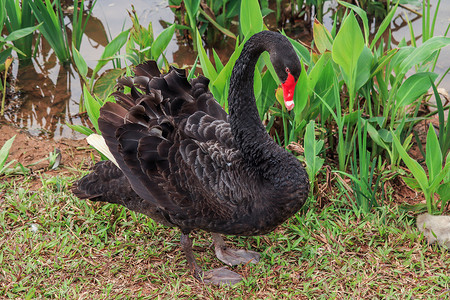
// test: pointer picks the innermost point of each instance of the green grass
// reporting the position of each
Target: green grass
(85, 250)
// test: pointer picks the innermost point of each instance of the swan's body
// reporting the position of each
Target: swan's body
(184, 162)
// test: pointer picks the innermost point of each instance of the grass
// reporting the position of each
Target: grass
(56, 246)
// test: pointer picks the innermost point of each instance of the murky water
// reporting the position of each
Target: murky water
(50, 93)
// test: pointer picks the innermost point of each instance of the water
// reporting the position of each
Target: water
(50, 94)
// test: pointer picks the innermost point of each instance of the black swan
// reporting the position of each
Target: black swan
(184, 162)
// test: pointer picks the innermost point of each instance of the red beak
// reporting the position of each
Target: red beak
(288, 91)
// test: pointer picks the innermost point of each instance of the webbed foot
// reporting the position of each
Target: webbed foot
(221, 276)
(232, 256)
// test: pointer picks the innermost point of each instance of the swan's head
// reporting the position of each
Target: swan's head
(288, 68)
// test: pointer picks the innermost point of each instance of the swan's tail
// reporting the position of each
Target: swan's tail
(107, 183)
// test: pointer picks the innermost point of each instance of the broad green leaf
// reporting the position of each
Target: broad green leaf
(348, 44)
(81, 129)
(105, 84)
(191, 74)
(385, 24)
(347, 48)
(266, 58)
(362, 15)
(383, 61)
(322, 37)
(110, 50)
(439, 177)
(192, 7)
(423, 51)
(433, 156)
(316, 72)
(4, 55)
(312, 149)
(4, 151)
(363, 68)
(161, 42)
(250, 19)
(220, 85)
(80, 63)
(217, 25)
(444, 191)
(207, 66)
(444, 131)
(415, 168)
(217, 61)
(92, 107)
(2, 12)
(15, 35)
(300, 95)
(447, 162)
(301, 51)
(414, 87)
(375, 136)
(412, 183)
(257, 83)
(267, 98)
(399, 57)
(386, 135)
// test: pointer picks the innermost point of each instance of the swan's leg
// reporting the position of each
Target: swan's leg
(216, 276)
(232, 256)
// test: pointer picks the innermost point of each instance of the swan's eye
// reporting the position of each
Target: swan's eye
(287, 70)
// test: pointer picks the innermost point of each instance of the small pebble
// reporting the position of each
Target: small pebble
(34, 228)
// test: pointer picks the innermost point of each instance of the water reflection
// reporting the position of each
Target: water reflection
(50, 93)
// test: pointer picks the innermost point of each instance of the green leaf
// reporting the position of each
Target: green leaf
(300, 95)
(257, 83)
(421, 53)
(267, 98)
(80, 63)
(414, 87)
(2, 12)
(105, 84)
(363, 68)
(322, 37)
(110, 51)
(444, 191)
(192, 7)
(440, 176)
(15, 35)
(362, 14)
(348, 44)
(217, 25)
(316, 71)
(301, 51)
(250, 19)
(81, 129)
(208, 69)
(385, 24)
(415, 168)
(433, 157)
(161, 42)
(217, 61)
(375, 136)
(220, 85)
(312, 149)
(347, 48)
(52, 28)
(412, 183)
(92, 107)
(4, 55)
(4, 151)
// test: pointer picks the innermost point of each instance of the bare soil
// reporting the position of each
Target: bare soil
(27, 150)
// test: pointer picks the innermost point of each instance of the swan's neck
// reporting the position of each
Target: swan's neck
(249, 133)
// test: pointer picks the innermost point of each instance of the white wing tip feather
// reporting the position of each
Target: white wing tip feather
(98, 142)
